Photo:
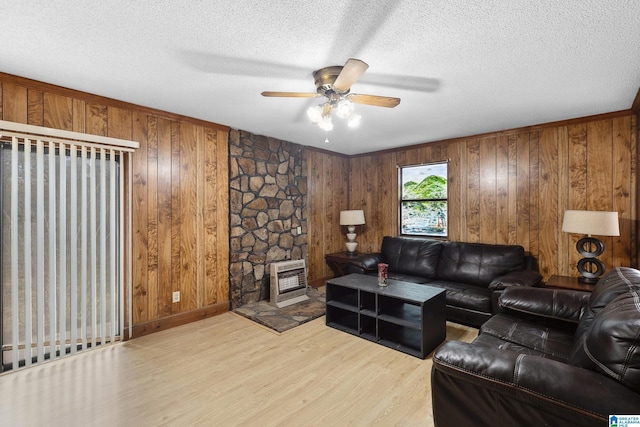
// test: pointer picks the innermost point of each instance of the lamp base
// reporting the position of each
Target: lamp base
(351, 248)
(590, 247)
(590, 267)
(590, 270)
(588, 280)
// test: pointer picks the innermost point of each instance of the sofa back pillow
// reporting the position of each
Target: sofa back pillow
(478, 263)
(613, 341)
(415, 256)
(614, 283)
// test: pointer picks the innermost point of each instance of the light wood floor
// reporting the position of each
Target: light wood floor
(227, 371)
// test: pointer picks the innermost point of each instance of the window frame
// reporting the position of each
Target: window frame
(401, 201)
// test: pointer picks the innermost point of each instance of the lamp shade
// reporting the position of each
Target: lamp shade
(597, 223)
(355, 217)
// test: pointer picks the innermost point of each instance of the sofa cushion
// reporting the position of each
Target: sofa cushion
(461, 295)
(562, 305)
(478, 263)
(550, 342)
(613, 341)
(416, 257)
(489, 341)
(528, 278)
(614, 283)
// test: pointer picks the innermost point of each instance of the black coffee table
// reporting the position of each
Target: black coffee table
(405, 316)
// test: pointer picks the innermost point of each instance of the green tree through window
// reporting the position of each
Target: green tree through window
(423, 200)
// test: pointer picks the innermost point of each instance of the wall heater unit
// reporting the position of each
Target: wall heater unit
(288, 282)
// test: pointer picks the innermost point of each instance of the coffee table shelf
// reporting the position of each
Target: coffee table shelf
(405, 340)
(404, 316)
(344, 306)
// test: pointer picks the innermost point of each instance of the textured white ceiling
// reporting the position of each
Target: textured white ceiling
(460, 67)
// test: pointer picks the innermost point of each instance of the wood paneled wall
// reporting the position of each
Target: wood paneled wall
(327, 195)
(505, 187)
(180, 195)
(513, 187)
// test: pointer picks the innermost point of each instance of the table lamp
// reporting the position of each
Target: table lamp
(351, 219)
(600, 223)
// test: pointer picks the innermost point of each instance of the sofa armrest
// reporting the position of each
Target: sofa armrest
(516, 278)
(365, 263)
(498, 386)
(554, 304)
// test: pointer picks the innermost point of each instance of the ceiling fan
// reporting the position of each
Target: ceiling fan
(334, 83)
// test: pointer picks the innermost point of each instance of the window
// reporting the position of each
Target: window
(423, 200)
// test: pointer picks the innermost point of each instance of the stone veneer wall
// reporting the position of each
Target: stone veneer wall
(267, 198)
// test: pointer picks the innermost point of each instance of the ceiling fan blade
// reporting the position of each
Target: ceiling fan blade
(351, 72)
(290, 94)
(378, 101)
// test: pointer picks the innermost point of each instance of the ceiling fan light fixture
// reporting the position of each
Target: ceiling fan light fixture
(315, 113)
(344, 108)
(334, 84)
(326, 124)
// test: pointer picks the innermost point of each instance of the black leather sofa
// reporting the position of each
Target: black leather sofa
(550, 358)
(473, 274)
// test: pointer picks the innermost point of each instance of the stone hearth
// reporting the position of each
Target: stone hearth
(283, 319)
(267, 198)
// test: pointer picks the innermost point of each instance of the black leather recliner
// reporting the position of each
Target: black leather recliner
(473, 274)
(551, 357)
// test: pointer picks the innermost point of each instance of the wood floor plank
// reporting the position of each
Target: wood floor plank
(227, 370)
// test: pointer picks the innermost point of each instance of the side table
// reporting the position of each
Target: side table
(339, 262)
(567, 282)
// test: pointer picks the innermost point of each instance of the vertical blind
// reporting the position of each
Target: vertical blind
(63, 265)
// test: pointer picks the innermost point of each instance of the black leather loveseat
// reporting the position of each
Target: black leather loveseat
(473, 274)
(551, 358)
